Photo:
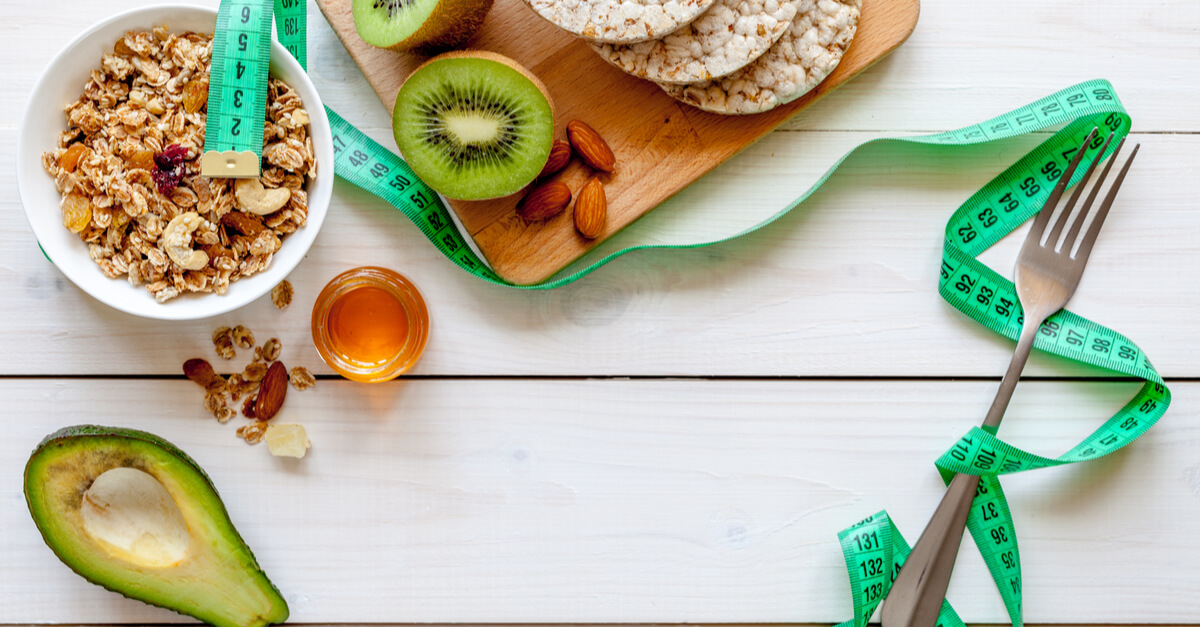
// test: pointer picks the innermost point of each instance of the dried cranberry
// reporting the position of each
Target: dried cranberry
(171, 157)
(168, 180)
(170, 168)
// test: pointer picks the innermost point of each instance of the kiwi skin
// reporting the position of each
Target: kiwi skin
(451, 24)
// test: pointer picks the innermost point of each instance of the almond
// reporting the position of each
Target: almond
(560, 156)
(591, 147)
(271, 392)
(243, 223)
(591, 209)
(545, 201)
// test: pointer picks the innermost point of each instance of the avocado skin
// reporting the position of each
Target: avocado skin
(240, 555)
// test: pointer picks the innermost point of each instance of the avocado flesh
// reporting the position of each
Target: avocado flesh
(209, 573)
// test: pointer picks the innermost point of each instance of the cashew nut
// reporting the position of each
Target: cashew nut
(177, 241)
(254, 198)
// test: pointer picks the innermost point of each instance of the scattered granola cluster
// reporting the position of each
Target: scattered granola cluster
(281, 296)
(263, 383)
(128, 169)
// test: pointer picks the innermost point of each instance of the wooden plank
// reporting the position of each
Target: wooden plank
(661, 145)
(631, 501)
(846, 286)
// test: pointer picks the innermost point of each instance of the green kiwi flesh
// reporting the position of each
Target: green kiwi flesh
(423, 25)
(474, 126)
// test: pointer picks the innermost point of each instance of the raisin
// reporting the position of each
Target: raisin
(71, 156)
(195, 95)
(77, 212)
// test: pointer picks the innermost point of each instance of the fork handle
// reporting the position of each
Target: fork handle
(1009, 383)
(915, 599)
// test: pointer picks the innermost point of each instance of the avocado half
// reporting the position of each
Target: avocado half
(131, 512)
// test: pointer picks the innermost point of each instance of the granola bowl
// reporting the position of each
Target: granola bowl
(123, 269)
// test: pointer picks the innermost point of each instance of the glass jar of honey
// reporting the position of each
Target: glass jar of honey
(370, 324)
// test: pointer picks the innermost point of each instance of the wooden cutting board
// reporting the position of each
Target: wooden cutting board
(661, 145)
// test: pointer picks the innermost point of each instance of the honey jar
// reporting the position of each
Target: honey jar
(370, 324)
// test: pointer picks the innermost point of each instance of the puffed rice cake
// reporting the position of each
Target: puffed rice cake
(814, 45)
(730, 35)
(619, 21)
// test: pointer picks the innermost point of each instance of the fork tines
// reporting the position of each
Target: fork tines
(1043, 219)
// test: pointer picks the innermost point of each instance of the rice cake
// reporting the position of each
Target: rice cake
(620, 21)
(729, 35)
(799, 61)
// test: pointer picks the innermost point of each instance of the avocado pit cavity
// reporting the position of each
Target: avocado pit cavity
(133, 517)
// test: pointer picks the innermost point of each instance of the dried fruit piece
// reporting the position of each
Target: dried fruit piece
(591, 209)
(122, 48)
(77, 211)
(545, 201)
(143, 159)
(287, 440)
(71, 156)
(301, 378)
(560, 156)
(243, 337)
(281, 296)
(171, 157)
(243, 223)
(270, 350)
(169, 171)
(272, 392)
(591, 147)
(195, 95)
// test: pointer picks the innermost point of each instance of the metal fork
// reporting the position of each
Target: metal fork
(1046, 277)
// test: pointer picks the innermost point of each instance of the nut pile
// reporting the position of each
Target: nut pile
(548, 199)
(263, 382)
(127, 167)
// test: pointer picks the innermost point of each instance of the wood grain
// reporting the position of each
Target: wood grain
(608, 501)
(845, 286)
(660, 144)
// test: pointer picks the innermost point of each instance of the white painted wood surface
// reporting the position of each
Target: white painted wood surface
(647, 501)
(520, 499)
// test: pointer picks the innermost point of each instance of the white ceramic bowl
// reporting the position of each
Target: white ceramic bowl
(62, 83)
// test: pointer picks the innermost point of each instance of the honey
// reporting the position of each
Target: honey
(370, 324)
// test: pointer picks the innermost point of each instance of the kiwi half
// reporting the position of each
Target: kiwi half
(474, 125)
(424, 25)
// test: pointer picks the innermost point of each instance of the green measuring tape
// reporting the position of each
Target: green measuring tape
(237, 88)
(873, 548)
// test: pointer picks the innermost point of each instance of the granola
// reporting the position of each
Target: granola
(281, 296)
(301, 378)
(128, 170)
(223, 393)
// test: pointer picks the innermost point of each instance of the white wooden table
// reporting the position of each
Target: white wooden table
(679, 437)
